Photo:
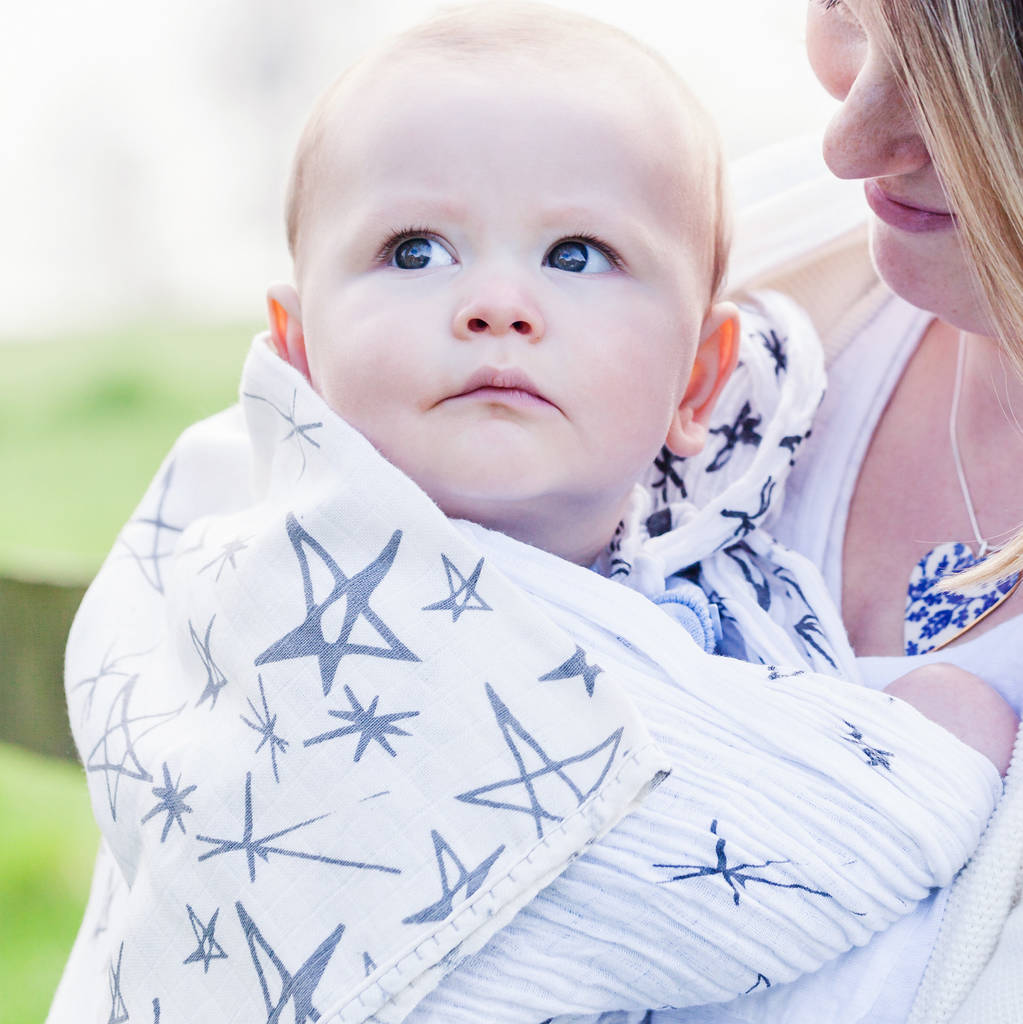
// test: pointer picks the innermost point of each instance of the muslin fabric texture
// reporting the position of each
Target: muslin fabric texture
(335, 741)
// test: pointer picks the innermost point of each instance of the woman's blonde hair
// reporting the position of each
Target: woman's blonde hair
(961, 65)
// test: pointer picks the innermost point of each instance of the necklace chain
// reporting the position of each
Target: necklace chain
(953, 434)
(936, 615)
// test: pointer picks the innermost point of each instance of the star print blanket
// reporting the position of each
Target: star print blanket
(706, 515)
(334, 743)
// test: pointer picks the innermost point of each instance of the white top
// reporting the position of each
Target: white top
(861, 381)
(875, 983)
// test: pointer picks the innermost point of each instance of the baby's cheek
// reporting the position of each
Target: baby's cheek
(352, 380)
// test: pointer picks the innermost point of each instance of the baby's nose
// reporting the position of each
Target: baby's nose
(478, 325)
(500, 311)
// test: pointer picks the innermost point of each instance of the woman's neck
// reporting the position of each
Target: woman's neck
(991, 405)
(989, 430)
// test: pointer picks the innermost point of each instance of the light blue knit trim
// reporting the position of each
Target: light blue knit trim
(687, 604)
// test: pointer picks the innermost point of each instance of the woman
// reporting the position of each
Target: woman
(926, 475)
(918, 444)
(912, 469)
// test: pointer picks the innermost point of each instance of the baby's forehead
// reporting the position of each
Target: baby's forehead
(637, 91)
(633, 84)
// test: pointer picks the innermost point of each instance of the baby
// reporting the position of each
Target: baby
(509, 240)
(506, 273)
(509, 282)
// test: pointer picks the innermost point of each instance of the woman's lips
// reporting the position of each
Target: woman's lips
(915, 219)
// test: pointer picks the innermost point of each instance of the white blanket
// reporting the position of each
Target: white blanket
(334, 742)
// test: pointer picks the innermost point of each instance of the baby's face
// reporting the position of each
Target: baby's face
(500, 286)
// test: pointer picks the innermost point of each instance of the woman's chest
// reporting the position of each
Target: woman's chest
(908, 500)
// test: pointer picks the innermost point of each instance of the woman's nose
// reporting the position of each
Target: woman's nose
(874, 134)
(499, 308)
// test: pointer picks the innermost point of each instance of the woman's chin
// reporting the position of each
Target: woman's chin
(929, 272)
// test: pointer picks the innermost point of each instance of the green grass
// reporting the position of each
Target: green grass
(84, 423)
(48, 843)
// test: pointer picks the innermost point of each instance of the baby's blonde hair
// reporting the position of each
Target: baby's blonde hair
(961, 65)
(529, 31)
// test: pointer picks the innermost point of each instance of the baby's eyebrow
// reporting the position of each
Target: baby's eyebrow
(619, 228)
(581, 214)
(414, 209)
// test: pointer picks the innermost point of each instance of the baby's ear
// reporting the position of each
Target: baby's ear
(286, 333)
(716, 356)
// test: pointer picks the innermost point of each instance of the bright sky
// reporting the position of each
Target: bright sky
(147, 143)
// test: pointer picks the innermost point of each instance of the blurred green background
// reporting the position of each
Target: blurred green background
(84, 422)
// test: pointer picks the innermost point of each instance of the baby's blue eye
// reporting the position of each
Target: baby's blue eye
(577, 257)
(416, 253)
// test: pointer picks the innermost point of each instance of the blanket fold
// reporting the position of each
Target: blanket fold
(268, 667)
(802, 815)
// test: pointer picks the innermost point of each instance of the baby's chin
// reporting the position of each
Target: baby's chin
(526, 494)
(552, 524)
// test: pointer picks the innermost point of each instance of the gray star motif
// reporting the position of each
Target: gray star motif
(110, 668)
(114, 753)
(264, 849)
(266, 729)
(215, 678)
(208, 949)
(299, 431)
(367, 723)
(118, 1011)
(468, 879)
(524, 749)
(149, 562)
(307, 639)
(172, 803)
(463, 596)
(735, 876)
(875, 757)
(297, 988)
(573, 667)
(227, 554)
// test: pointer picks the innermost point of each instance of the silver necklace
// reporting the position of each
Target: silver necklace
(983, 547)
(935, 616)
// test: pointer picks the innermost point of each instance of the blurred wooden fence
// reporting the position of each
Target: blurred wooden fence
(34, 620)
